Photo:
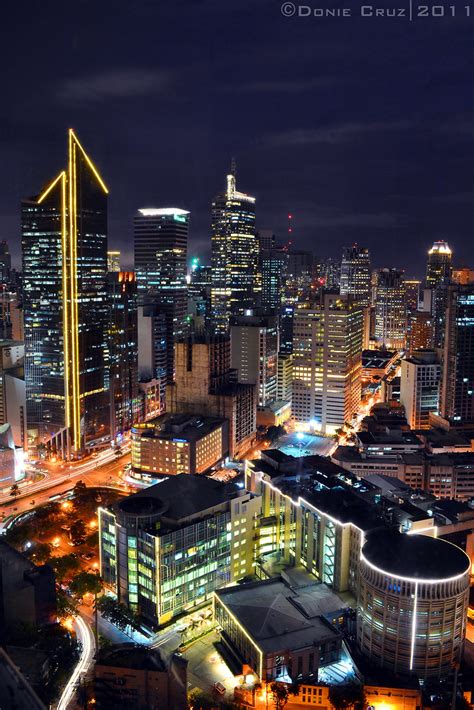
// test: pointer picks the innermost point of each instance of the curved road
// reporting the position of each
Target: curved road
(86, 637)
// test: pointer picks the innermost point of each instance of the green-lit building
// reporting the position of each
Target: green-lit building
(164, 550)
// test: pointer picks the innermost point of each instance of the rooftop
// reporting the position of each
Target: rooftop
(185, 495)
(414, 556)
(178, 427)
(130, 655)
(278, 618)
(162, 211)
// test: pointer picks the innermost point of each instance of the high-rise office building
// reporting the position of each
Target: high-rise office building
(123, 348)
(5, 263)
(206, 384)
(161, 243)
(13, 390)
(273, 267)
(419, 387)
(419, 331)
(234, 254)
(438, 277)
(199, 295)
(254, 354)
(439, 265)
(355, 273)
(390, 309)
(113, 261)
(65, 307)
(327, 362)
(412, 294)
(457, 394)
(153, 355)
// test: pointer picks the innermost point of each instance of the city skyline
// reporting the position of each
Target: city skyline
(356, 150)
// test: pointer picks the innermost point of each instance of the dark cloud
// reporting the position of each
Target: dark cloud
(339, 133)
(115, 84)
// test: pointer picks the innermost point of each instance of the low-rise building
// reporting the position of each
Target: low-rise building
(377, 363)
(137, 676)
(179, 443)
(165, 549)
(279, 633)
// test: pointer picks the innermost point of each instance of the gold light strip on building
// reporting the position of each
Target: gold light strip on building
(67, 403)
(74, 320)
(89, 161)
(49, 188)
(217, 600)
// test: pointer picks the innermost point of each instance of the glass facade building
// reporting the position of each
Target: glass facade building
(64, 245)
(161, 247)
(165, 550)
(234, 255)
(457, 394)
(355, 273)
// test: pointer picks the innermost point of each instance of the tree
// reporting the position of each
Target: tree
(41, 552)
(280, 695)
(15, 490)
(274, 432)
(116, 612)
(345, 696)
(86, 583)
(65, 565)
(199, 700)
(65, 605)
(79, 488)
(78, 532)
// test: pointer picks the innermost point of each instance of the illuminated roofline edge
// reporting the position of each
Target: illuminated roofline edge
(362, 557)
(89, 161)
(240, 626)
(162, 211)
(419, 580)
(51, 185)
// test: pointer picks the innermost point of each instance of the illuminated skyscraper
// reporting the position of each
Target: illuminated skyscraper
(123, 348)
(327, 362)
(419, 331)
(439, 266)
(254, 354)
(438, 277)
(457, 392)
(390, 309)
(65, 307)
(412, 294)
(234, 254)
(161, 245)
(273, 265)
(355, 273)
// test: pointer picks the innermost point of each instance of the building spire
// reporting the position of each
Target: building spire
(233, 166)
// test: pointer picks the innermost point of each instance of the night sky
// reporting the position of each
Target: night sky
(361, 128)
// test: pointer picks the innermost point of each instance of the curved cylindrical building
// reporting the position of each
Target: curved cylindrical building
(412, 606)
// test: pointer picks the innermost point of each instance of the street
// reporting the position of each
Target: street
(104, 470)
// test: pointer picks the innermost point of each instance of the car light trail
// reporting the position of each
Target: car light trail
(84, 635)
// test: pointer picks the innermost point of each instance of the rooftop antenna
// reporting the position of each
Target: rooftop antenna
(233, 167)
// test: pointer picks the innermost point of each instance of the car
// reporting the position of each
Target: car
(87, 556)
(219, 688)
(65, 527)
